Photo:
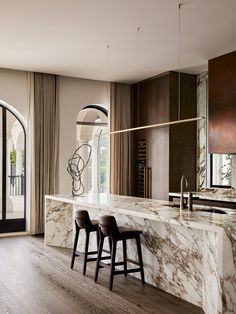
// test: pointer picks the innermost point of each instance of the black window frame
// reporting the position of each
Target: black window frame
(211, 177)
(18, 224)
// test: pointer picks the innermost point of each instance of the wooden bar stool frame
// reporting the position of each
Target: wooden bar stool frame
(108, 228)
(82, 221)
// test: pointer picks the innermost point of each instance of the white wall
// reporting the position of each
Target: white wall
(74, 95)
(14, 90)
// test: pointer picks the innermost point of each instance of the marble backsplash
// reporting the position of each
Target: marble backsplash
(201, 130)
(202, 156)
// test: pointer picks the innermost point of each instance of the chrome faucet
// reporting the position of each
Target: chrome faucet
(183, 179)
(190, 201)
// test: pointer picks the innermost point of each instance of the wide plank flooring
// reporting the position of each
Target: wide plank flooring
(37, 279)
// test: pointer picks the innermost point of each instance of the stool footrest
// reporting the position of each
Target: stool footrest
(92, 253)
(132, 270)
(119, 263)
(78, 253)
(91, 259)
(105, 257)
(118, 272)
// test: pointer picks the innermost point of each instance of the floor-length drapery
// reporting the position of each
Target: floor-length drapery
(30, 159)
(45, 142)
(121, 144)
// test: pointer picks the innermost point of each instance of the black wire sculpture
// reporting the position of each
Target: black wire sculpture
(76, 165)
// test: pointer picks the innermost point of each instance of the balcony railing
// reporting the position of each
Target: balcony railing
(17, 185)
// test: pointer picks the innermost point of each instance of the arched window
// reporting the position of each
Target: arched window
(92, 121)
(12, 172)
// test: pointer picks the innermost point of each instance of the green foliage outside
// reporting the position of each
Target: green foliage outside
(102, 165)
(225, 170)
(13, 157)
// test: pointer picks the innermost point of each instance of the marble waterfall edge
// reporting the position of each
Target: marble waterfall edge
(188, 255)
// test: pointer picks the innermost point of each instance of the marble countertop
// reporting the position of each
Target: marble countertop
(210, 195)
(158, 210)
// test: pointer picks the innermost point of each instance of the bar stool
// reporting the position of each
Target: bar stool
(82, 221)
(108, 228)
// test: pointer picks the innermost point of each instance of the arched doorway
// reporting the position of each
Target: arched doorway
(92, 121)
(12, 172)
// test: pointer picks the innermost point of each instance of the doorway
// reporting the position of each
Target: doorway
(12, 172)
(92, 123)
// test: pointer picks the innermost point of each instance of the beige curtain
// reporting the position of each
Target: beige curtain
(121, 144)
(30, 153)
(45, 146)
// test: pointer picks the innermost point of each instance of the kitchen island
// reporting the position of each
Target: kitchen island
(191, 255)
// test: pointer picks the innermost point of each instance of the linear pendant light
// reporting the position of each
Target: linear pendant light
(164, 124)
(158, 125)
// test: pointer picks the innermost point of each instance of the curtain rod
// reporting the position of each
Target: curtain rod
(158, 125)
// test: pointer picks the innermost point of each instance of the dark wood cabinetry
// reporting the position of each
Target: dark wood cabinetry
(141, 165)
(183, 138)
(222, 104)
(171, 151)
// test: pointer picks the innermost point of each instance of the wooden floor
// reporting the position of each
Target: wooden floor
(38, 279)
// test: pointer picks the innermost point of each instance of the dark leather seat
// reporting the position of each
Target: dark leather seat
(128, 233)
(108, 228)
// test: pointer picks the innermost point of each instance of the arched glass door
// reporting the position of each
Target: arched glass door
(12, 172)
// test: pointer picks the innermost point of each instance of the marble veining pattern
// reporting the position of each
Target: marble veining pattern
(233, 171)
(58, 223)
(188, 254)
(201, 130)
(229, 270)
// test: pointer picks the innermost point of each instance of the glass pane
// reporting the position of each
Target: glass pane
(0, 163)
(15, 168)
(102, 164)
(221, 169)
(89, 173)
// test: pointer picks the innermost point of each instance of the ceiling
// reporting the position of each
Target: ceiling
(71, 37)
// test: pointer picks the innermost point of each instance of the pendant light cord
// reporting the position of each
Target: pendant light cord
(179, 76)
(107, 74)
(138, 67)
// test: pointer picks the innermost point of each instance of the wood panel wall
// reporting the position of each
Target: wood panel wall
(171, 151)
(183, 138)
(222, 104)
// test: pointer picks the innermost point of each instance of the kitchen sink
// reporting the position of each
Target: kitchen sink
(212, 210)
(198, 208)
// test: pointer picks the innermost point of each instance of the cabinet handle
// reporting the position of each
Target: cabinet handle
(147, 182)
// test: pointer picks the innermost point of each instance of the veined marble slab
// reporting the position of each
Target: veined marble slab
(191, 255)
(201, 130)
